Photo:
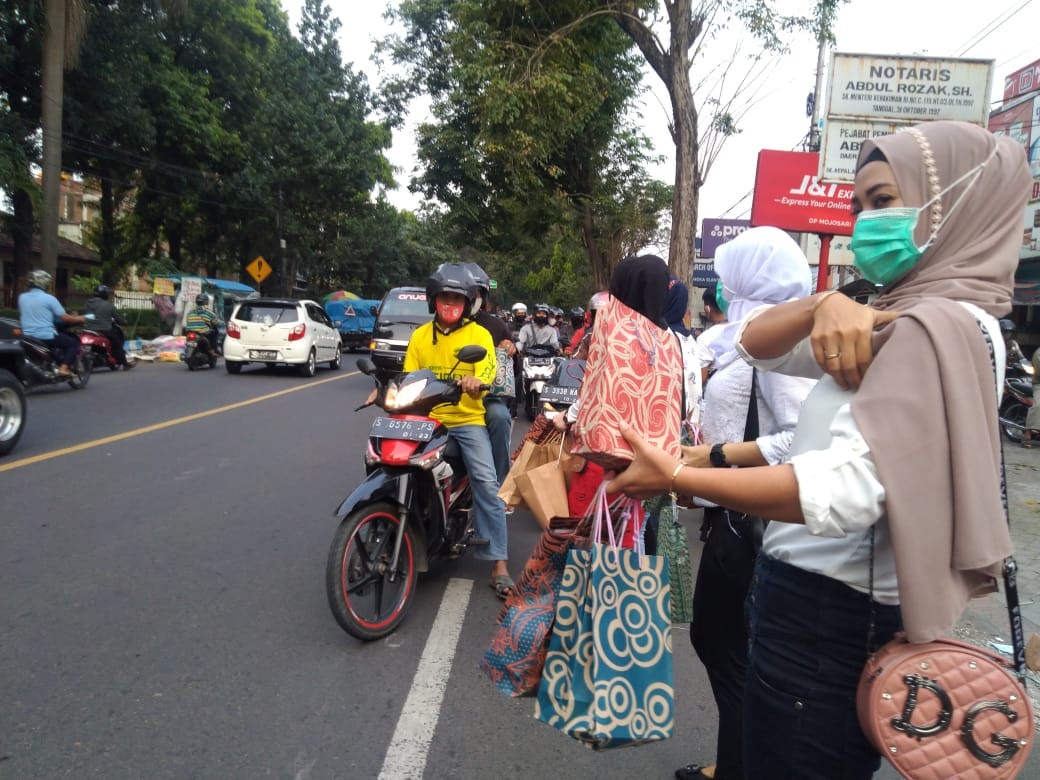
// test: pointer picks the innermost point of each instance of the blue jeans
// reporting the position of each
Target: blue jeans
(500, 428)
(489, 513)
(808, 646)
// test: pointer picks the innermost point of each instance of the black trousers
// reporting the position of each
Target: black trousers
(719, 630)
(115, 341)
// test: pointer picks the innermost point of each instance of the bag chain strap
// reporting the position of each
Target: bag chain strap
(1010, 569)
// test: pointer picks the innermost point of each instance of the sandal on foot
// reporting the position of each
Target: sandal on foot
(694, 772)
(503, 585)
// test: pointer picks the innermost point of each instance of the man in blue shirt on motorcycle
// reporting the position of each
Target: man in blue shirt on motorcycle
(38, 310)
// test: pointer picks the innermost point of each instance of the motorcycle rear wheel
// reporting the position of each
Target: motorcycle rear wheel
(362, 597)
(1013, 413)
(83, 366)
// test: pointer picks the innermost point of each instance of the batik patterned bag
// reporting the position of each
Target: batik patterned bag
(673, 544)
(634, 375)
(517, 651)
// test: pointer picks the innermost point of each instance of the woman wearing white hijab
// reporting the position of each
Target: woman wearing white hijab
(762, 266)
(890, 510)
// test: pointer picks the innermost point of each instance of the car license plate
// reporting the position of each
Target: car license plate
(409, 430)
(263, 354)
(557, 394)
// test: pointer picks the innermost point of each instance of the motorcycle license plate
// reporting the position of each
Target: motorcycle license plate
(557, 394)
(409, 430)
(263, 354)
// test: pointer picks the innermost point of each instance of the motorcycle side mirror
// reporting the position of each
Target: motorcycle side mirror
(366, 366)
(373, 310)
(474, 353)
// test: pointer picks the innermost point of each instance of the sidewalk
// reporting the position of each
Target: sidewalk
(985, 621)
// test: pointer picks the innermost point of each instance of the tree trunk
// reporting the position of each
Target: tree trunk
(682, 248)
(173, 238)
(22, 234)
(52, 96)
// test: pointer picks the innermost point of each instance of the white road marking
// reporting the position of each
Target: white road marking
(410, 745)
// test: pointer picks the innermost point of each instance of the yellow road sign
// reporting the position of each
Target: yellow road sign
(259, 269)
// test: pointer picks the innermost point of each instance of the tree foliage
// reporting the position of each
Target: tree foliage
(532, 149)
(215, 133)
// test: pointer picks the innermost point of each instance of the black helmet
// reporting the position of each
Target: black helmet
(1007, 327)
(542, 308)
(102, 291)
(202, 299)
(577, 315)
(451, 277)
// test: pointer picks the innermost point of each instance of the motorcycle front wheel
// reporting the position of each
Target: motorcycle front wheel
(367, 598)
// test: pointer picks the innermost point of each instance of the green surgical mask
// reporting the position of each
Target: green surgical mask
(720, 298)
(883, 239)
(883, 244)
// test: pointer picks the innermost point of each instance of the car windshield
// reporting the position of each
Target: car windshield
(267, 313)
(405, 304)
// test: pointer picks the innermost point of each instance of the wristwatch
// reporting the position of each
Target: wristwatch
(717, 457)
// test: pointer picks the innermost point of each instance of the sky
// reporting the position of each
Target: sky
(1005, 31)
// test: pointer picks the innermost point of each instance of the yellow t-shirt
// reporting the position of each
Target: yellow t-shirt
(439, 357)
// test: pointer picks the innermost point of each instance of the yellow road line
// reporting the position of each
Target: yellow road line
(165, 424)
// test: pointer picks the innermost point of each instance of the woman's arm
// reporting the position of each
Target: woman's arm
(770, 491)
(778, 329)
(838, 328)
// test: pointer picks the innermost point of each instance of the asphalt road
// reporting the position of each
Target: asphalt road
(163, 611)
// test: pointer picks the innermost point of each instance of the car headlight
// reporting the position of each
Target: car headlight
(383, 346)
(401, 397)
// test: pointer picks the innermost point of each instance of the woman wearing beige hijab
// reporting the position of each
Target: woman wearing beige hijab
(893, 483)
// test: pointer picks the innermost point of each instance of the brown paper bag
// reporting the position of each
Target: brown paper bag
(531, 456)
(544, 490)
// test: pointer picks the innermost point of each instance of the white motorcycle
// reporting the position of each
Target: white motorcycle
(538, 368)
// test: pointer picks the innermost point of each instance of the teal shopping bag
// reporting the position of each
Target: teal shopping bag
(607, 680)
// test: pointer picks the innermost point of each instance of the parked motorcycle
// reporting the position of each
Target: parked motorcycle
(1017, 399)
(100, 347)
(40, 368)
(412, 509)
(196, 351)
(538, 367)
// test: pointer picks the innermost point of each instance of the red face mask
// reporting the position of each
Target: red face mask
(449, 313)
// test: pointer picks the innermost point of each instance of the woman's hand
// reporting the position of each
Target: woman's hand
(698, 457)
(560, 422)
(841, 338)
(649, 473)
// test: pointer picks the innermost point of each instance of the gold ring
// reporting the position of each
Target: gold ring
(831, 357)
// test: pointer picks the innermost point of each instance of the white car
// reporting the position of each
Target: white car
(280, 330)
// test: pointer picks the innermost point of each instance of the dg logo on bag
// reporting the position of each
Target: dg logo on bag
(945, 709)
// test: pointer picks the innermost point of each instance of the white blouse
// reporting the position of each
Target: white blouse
(838, 487)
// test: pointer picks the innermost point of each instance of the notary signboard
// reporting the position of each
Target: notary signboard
(871, 95)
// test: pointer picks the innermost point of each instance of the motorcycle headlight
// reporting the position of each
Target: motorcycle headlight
(1028, 368)
(400, 397)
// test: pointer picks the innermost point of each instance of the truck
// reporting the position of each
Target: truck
(354, 319)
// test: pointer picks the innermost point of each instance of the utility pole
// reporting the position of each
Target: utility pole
(53, 88)
(280, 254)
